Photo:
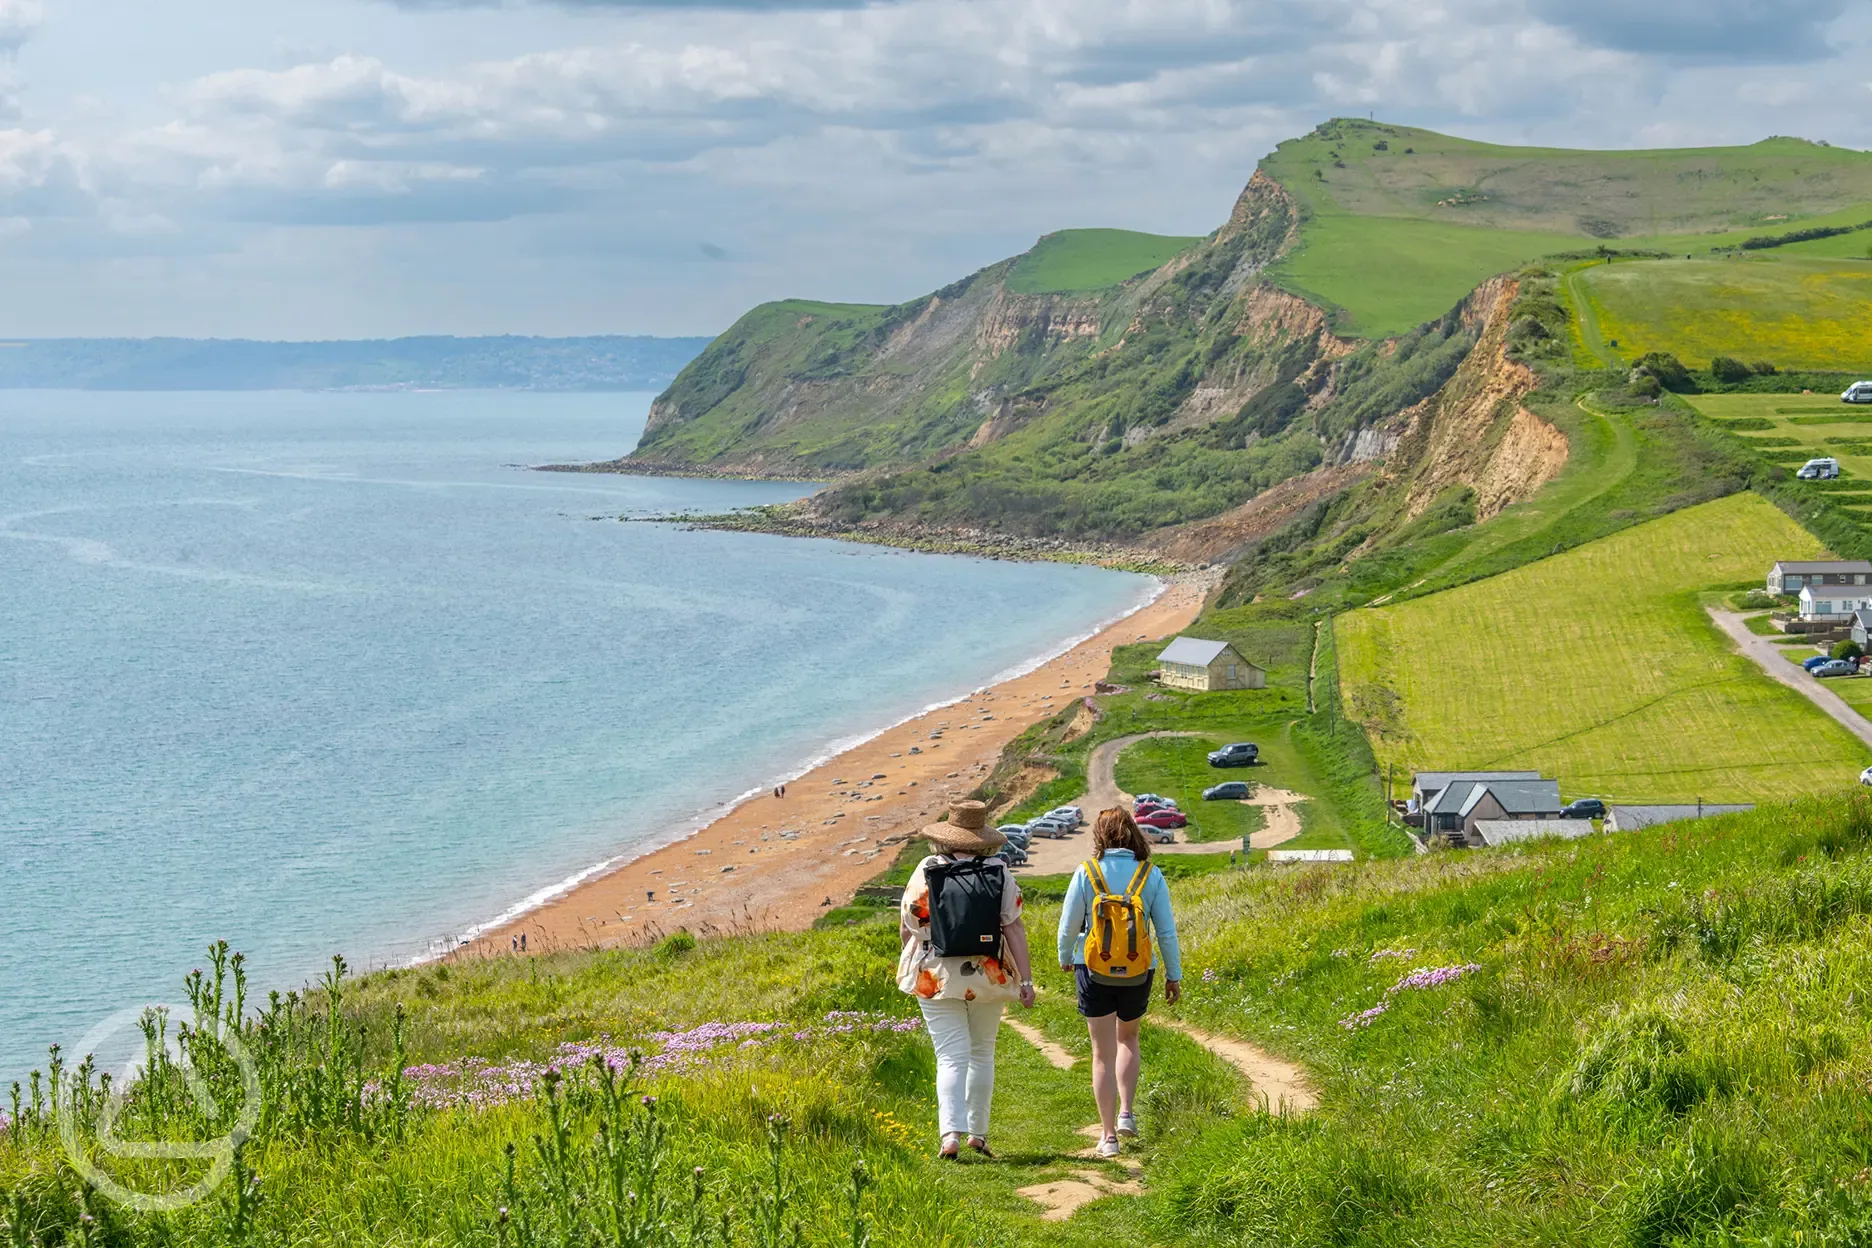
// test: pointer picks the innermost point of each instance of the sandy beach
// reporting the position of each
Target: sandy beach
(778, 863)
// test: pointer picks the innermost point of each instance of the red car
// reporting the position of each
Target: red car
(1151, 808)
(1163, 819)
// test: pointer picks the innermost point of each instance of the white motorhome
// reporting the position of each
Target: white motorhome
(1824, 469)
(1858, 392)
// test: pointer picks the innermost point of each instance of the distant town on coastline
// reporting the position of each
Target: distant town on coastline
(607, 362)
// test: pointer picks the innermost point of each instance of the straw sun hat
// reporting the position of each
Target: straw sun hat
(967, 831)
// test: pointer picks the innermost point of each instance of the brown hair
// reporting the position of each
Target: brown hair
(1116, 829)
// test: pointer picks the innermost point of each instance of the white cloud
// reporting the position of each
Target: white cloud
(869, 150)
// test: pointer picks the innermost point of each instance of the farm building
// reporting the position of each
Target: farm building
(1835, 603)
(1455, 812)
(1207, 666)
(1792, 577)
(1631, 818)
(1503, 831)
(1425, 785)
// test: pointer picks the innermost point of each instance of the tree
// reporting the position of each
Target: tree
(1847, 650)
(1668, 369)
(1729, 371)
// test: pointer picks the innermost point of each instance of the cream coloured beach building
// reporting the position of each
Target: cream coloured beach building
(1207, 666)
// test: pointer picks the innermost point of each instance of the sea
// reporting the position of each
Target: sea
(320, 673)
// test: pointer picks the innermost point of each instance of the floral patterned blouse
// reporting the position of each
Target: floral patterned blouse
(922, 974)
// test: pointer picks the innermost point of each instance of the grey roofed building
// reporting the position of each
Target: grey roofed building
(1524, 794)
(1788, 576)
(1425, 785)
(1862, 629)
(1456, 810)
(1503, 831)
(1193, 651)
(1631, 818)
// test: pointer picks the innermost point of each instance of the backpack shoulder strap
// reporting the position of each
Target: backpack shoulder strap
(1096, 877)
(1135, 889)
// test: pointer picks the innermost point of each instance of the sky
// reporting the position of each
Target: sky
(363, 168)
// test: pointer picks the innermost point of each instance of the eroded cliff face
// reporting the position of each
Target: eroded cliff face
(981, 407)
(1475, 431)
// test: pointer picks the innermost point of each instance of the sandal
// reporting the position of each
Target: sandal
(951, 1146)
(980, 1144)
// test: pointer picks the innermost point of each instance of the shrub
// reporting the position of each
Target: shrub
(1668, 369)
(1644, 385)
(675, 945)
(1764, 368)
(1847, 650)
(1729, 371)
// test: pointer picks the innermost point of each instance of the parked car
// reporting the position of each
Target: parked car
(1836, 667)
(1858, 392)
(1865, 777)
(1157, 799)
(1816, 661)
(1823, 469)
(1156, 835)
(1145, 808)
(1052, 829)
(1012, 854)
(1163, 819)
(1233, 791)
(1241, 754)
(1584, 808)
(1070, 815)
(1016, 833)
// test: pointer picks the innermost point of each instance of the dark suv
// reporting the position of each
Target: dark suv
(1584, 808)
(1233, 791)
(1240, 755)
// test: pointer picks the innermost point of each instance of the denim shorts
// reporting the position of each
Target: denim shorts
(1128, 1001)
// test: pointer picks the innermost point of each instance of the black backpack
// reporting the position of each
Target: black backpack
(965, 907)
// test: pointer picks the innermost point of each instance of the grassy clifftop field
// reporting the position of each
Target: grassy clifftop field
(1598, 668)
(1647, 1040)
(1401, 222)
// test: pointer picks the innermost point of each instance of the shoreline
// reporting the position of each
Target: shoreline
(768, 863)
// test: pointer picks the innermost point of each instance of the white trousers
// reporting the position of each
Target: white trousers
(964, 1035)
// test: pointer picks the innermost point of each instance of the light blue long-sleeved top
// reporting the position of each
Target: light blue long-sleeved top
(1118, 866)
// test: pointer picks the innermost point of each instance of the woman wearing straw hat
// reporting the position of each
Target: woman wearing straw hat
(1114, 1009)
(962, 931)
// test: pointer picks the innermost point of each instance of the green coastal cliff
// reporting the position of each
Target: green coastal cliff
(1108, 386)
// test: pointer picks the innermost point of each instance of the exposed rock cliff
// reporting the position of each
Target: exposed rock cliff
(1475, 432)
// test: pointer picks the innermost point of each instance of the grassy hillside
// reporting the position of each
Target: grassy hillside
(1795, 311)
(1398, 217)
(1386, 275)
(1646, 1040)
(1789, 429)
(1598, 668)
(1082, 260)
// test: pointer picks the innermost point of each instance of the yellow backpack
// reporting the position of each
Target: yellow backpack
(1118, 944)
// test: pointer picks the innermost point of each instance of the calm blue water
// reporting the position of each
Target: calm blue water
(326, 673)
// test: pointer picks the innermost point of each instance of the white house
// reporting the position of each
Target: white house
(1834, 602)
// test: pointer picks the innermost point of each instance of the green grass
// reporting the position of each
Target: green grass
(1389, 274)
(1178, 768)
(1598, 668)
(1797, 312)
(1652, 1039)
(1397, 236)
(1780, 418)
(1080, 260)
